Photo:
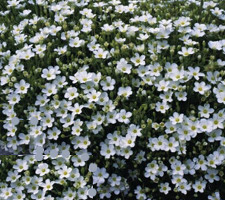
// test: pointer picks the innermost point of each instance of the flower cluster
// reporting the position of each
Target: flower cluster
(113, 99)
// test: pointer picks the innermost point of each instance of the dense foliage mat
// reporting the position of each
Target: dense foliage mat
(112, 99)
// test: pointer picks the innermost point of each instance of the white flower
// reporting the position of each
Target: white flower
(124, 91)
(215, 45)
(86, 25)
(47, 185)
(178, 168)
(6, 193)
(221, 97)
(215, 196)
(114, 180)
(40, 195)
(177, 179)
(184, 187)
(69, 194)
(176, 118)
(211, 175)
(177, 75)
(87, 87)
(13, 176)
(61, 50)
(82, 193)
(216, 11)
(13, 98)
(47, 120)
(64, 172)
(67, 121)
(151, 167)
(222, 141)
(74, 174)
(128, 141)
(159, 143)
(99, 176)
(42, 169)
(100, 53)
(49, 73)
(205, 125)
(186, 51)
(93, 96)
(181, 96)
(99, 118)
(77, 161)
(172, 144)
(213, 77)
(162, 85)
(60, 81)
(18, 195)
(54, 29)
(205, 110)
(107, 150)
(49, 89)
(87, 13)
(71, 93)
(22, 87)
(200, 163)
(54, 133)
(96, 77)
(215, 135)
(36, 131)
(84, 142)
(139, 193)
(103, 99)
(107, 27)
(166, 96)
(123, 66)
(108, 84)
(41, 100)
(162, 107)
(114, 138)
(92, 46)
(24, 138)
(138, 60)
(26, 54)
(39, 49)
(76, 130)
(76, 109)
(21, 165)
(195, 72)
(197, 33)
(76, 42)
(134, 130)
(201, 87)
(124, 116)
(182, 21)
(83, 76)
(220, 62)
(126, 152)
(199, 186)
(164, 188)
(155, 69)
(140, 157)
(143, 37)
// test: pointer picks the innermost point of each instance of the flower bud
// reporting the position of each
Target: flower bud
(25, 73)
(13, 79)
(11, 84)
(212, 57)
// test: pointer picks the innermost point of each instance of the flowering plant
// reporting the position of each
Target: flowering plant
(112, 99)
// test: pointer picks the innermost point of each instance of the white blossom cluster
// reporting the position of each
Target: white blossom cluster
(119, 99)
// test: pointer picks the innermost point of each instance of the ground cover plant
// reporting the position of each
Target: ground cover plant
(112, 99)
